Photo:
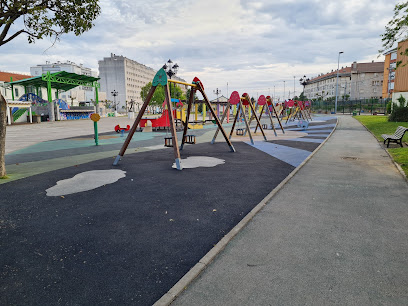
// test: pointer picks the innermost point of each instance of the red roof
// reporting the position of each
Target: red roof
(5, 76)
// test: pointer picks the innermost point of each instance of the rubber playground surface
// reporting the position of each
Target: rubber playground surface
(131, 239)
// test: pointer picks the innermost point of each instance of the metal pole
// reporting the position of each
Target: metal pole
(337, 81)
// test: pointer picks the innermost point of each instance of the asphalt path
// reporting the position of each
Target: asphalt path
(129, 242)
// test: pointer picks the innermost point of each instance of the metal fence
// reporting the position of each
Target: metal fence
(362, 106)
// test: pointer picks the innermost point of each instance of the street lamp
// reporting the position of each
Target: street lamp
(304, 81)
(337, 81)
(217, 92)
(114, 94)
(171, 70)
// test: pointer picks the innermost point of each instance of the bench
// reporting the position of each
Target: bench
(397, 137)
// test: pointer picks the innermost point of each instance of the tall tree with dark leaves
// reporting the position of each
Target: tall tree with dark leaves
(41, 19)
(396, 29)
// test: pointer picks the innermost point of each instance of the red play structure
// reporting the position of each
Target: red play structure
(118, 129)
(162, 121)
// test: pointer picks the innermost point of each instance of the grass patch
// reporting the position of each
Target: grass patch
(4, 177)
(400, 156)
(379, 125)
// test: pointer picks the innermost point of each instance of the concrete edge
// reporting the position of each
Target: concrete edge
(202, 264)
(388, 153)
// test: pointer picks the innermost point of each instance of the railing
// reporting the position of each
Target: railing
(370, 106)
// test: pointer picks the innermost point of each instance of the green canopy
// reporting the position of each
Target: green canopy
(61, 80)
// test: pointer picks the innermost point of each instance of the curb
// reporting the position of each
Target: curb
(196, 270)
(388, 153)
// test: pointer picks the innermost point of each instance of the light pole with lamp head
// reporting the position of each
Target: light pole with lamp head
(303, 81)
(170, 70)
(114, 94)
(337, 81)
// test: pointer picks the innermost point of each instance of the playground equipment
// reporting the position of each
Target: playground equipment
(271, 108)
(262, 102)
(95, 118)
(161, 78)
(297, 110)
(241, 101)
(122, 131)
(163, 121)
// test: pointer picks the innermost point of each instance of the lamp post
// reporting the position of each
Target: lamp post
(217, 92)
(337, 81)
(294, 89)
(304, 81)
(114, 94)
(171, 70)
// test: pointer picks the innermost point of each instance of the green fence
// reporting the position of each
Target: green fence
(370, 106)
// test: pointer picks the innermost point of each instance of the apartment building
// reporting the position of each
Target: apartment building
(395, 81)
(77, 94)
(358, 81)
(126, 77)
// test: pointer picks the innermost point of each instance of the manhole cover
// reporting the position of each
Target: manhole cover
(349, 158)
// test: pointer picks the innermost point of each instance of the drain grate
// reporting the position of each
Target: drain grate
(349, 158)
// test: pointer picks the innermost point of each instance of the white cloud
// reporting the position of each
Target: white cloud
(252, 45)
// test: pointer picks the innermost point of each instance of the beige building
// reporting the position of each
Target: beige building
(359, 81)
(126, 77)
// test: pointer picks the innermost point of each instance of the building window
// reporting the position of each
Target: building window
(15, 92)
(394, 56)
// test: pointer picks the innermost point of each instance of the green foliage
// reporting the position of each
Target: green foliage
(159, 96)
(389, 105)
(188, 94)
(396, 29)
(400, 156)
(401, 101)
(399, 112)
(302, 97)
(46, 18)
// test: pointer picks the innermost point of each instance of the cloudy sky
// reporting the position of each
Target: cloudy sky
(254, 46)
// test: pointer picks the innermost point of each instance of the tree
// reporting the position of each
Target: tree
(40, 19)
(396, 29)
(158, 96)
(188, 94)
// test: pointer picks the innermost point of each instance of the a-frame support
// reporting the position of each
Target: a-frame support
(161, 78)
(217, 120)
(245, 97)
(277, 115)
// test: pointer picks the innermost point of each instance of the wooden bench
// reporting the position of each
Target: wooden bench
(397, 137)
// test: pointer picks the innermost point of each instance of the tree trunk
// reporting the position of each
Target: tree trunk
(3, 124)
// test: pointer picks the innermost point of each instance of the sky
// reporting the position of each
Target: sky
(258, 47)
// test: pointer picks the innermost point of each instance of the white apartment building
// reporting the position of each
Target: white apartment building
(359, 81)
(77, 94)
(126, 77)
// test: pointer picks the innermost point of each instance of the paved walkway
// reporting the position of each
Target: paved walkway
(335, 234)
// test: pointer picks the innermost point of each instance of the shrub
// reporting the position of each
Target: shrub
(389, 107)
(399, 114)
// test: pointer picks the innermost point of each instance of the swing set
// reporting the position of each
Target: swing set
(161, 78)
